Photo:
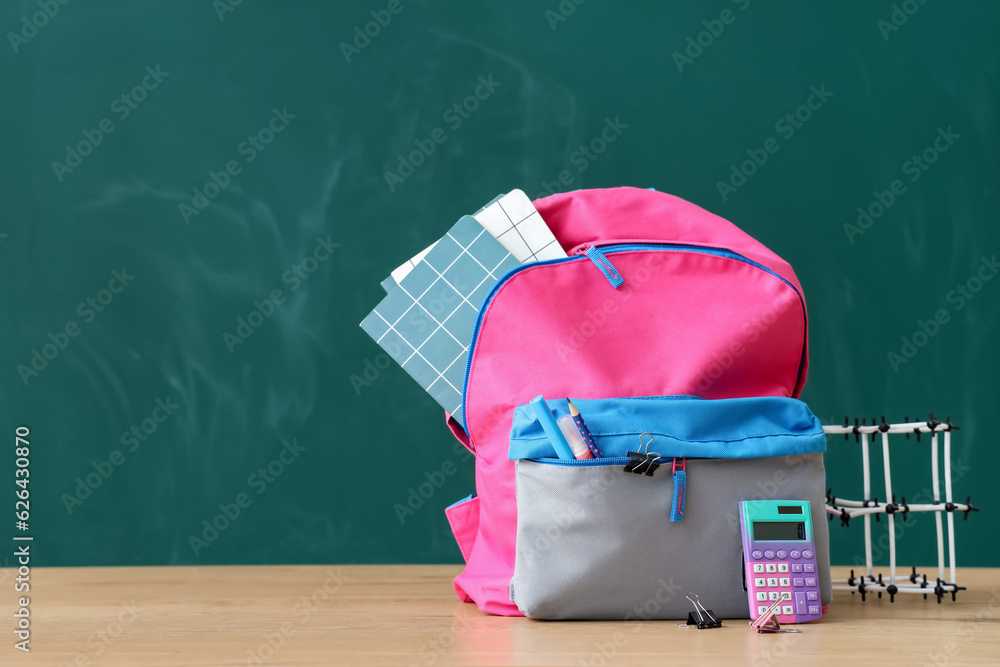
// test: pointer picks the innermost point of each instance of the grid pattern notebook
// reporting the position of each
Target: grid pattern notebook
(511, 219)
(426, 322)
(390, 283)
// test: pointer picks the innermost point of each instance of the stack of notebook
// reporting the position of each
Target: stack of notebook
(432, 301)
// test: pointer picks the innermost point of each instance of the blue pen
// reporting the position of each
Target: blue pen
(551, 428)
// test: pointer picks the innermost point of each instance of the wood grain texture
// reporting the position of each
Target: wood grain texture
(408, 615)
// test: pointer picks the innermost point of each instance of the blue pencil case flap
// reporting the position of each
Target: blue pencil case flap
(681, 426)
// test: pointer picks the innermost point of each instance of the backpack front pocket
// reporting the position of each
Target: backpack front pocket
(597, 542)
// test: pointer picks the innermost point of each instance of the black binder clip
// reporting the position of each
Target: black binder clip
(701, 618)
(643, 461)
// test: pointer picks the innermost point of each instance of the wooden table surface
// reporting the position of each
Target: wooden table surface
(408, 615)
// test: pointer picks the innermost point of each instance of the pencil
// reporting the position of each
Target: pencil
(584, 431)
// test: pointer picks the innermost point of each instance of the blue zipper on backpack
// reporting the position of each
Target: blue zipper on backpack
(599, 257)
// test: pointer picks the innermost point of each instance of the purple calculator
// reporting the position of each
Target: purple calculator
(780, 559)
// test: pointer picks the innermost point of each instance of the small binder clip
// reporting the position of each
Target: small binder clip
(768, 621)
(643, 461)
(701, 618)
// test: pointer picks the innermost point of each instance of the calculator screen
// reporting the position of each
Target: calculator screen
(779, 530)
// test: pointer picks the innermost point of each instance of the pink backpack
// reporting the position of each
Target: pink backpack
(657, 297)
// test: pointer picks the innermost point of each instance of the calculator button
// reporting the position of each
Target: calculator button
(782, 567)
(769, 554)
(783, 581)
(809, 567)
(796, 567)
(807, 554)
(759, 582)
(781, 553)
(798, 582)
(772, 582)
(758, 568)
(814, 609)
(761, 609)
(787, 609)
(773, 596)
(812, 595)
(794, 553)
(757, 555)
(761, 596)
(771, 567)
(810, 581)
(800, 603)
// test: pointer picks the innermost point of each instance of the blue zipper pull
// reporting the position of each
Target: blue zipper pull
(680, 482)
(606, 267)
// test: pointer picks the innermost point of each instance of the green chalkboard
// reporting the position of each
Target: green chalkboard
(200, 199)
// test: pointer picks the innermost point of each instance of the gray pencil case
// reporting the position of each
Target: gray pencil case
(597, 542)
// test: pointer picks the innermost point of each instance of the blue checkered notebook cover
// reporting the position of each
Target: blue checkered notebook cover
(426, 322)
